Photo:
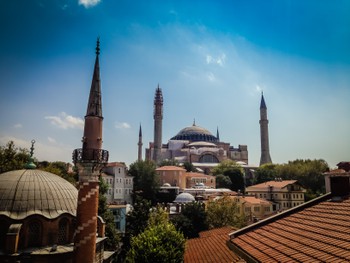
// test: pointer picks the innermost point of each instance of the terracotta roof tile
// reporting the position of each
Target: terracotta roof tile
(317, 231)
(170, 168)
(210, 247)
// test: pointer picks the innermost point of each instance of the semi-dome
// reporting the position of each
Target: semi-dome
(28, 192)
(184, 198)
(195, 133)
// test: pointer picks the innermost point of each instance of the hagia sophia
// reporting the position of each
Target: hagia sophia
(197, 145)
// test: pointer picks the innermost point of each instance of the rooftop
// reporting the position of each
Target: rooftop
(210, 247)
(170, 168)
(313, 232)
(278, 184)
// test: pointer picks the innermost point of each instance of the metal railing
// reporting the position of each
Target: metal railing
(90, 155)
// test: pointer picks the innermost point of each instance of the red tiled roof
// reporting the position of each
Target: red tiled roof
(210, 247)
(170, 168)
(275, 184)
(191, 174)
(318, 231)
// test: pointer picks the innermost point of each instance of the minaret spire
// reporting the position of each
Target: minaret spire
(139, 157)
(264, 133)
(94, 105)
(217, 133)
(89, 160)
(158, 120)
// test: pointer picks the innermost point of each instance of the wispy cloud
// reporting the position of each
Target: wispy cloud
(211, 76)
(65, 121)
(51, 140)
(122, 125)
(220, 60)
(89, 3)
(17, 126)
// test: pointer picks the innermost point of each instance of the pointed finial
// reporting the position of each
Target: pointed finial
(140, 130)
(194, 122)
(30, 164)
(98, 46)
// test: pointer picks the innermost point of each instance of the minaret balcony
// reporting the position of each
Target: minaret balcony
(90, 156)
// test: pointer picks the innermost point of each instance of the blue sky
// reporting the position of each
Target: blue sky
(212, 59)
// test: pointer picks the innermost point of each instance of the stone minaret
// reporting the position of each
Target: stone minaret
(158, 119)
(264, 133)
(89, 160)
(139, 157)
(217, 134)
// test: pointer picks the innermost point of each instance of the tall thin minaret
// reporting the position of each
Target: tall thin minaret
(158, 119)
(139, 157)
(217, 133)
(89, 160)
(264, 133)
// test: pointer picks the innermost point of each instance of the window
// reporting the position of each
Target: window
(63, 231)
(34, 234)
(267, 209)
(256, 209)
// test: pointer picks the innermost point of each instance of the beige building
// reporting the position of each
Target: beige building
(177, 176)
(254, 208)
(285, 194)
(120, 185)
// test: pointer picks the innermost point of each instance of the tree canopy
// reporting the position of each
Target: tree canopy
(159, 242)
(191, 220)
(233, 171)
(309, 173)
(12, 157)
(146, 180)
(224, 212)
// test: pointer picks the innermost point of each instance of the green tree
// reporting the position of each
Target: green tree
(146, 180)
(266, 172)
(224, 212)
(191, 220)
(167, 162)
(60, 169)
(309, 173)
(223, 181)
(189, 167)
(233, 171)
(160, 242)
(111, 232)
(12, 157)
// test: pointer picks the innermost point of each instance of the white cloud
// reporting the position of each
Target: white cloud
(51, 140)
(220, 60)
(211, 76)
(65, 121)
(122, 125)
(89, 3)
(17, 126)
(258, 89)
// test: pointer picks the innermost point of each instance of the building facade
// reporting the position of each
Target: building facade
(284, 194)
(120, 185)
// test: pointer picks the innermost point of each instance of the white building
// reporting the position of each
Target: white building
(120, 184)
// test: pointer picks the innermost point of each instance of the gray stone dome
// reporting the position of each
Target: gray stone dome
(28, 192)
(194, 134)
(184, 198)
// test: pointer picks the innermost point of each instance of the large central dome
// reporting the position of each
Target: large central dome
(195, 133)
(28, 192)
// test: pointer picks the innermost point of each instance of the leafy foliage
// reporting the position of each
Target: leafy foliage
(160, 242)
(224, 212)
(309, 173)
(189, 167)
(12, 157)
(103, 211)
(223, 181)
(60, 169)
(169, 163)
(146, 180)
(233, 171)
(191, 220)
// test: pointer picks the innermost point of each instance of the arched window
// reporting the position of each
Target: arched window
(34, 234)
(208, 158)
(63, 231)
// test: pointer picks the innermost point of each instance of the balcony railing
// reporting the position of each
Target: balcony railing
(90, 155)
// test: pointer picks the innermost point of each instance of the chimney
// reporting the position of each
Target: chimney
(338, 182)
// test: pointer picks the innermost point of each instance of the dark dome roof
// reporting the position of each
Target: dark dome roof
(195, 134)
(28, 192)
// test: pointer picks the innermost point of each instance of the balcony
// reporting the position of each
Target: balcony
(90, 156)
